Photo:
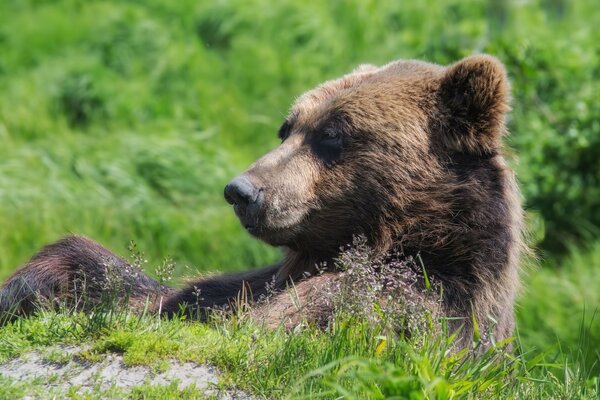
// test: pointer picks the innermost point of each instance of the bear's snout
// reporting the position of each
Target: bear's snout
(246, 200)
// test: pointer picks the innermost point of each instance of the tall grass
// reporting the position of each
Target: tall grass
(352, 359)
(559, 310)
(124, 120)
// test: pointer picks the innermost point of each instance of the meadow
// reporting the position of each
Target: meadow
(124, 120)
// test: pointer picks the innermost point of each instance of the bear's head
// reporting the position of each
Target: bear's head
(408, 154)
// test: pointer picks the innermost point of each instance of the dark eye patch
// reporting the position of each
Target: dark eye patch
(285, 130)
(328, 142)
(328, 149)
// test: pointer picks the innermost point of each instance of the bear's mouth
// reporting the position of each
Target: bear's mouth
(279, 235)
(261, 232)
(272, 236)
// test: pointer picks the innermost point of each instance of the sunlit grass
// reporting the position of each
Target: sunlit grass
(554, 355)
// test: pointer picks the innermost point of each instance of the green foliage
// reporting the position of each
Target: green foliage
(559, 309)
(79, 101)
(556, 87)
(345, 360)
(124, 120)
(555, 354)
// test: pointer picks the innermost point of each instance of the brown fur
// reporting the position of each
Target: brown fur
(408, 155)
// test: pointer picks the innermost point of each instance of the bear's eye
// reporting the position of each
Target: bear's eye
(329, 134)
(327, 145)
(284, 131)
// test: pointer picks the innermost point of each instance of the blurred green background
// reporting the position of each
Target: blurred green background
(123, 120)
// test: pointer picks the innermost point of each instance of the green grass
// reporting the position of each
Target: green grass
(123, 120)
(559, 308)
(555, 355)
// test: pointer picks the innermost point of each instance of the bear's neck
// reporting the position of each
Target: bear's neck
(471, 238)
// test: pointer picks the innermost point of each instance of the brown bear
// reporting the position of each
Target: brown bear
(408, 155)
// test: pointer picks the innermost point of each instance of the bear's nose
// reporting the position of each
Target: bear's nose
(241, 192)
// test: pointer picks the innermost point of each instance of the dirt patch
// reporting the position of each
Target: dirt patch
(111, 372)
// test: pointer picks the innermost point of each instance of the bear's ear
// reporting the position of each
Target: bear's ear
(474, 98)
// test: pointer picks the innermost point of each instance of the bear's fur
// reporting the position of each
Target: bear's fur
(408, 155)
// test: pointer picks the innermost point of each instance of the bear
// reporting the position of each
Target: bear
(408, 156)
